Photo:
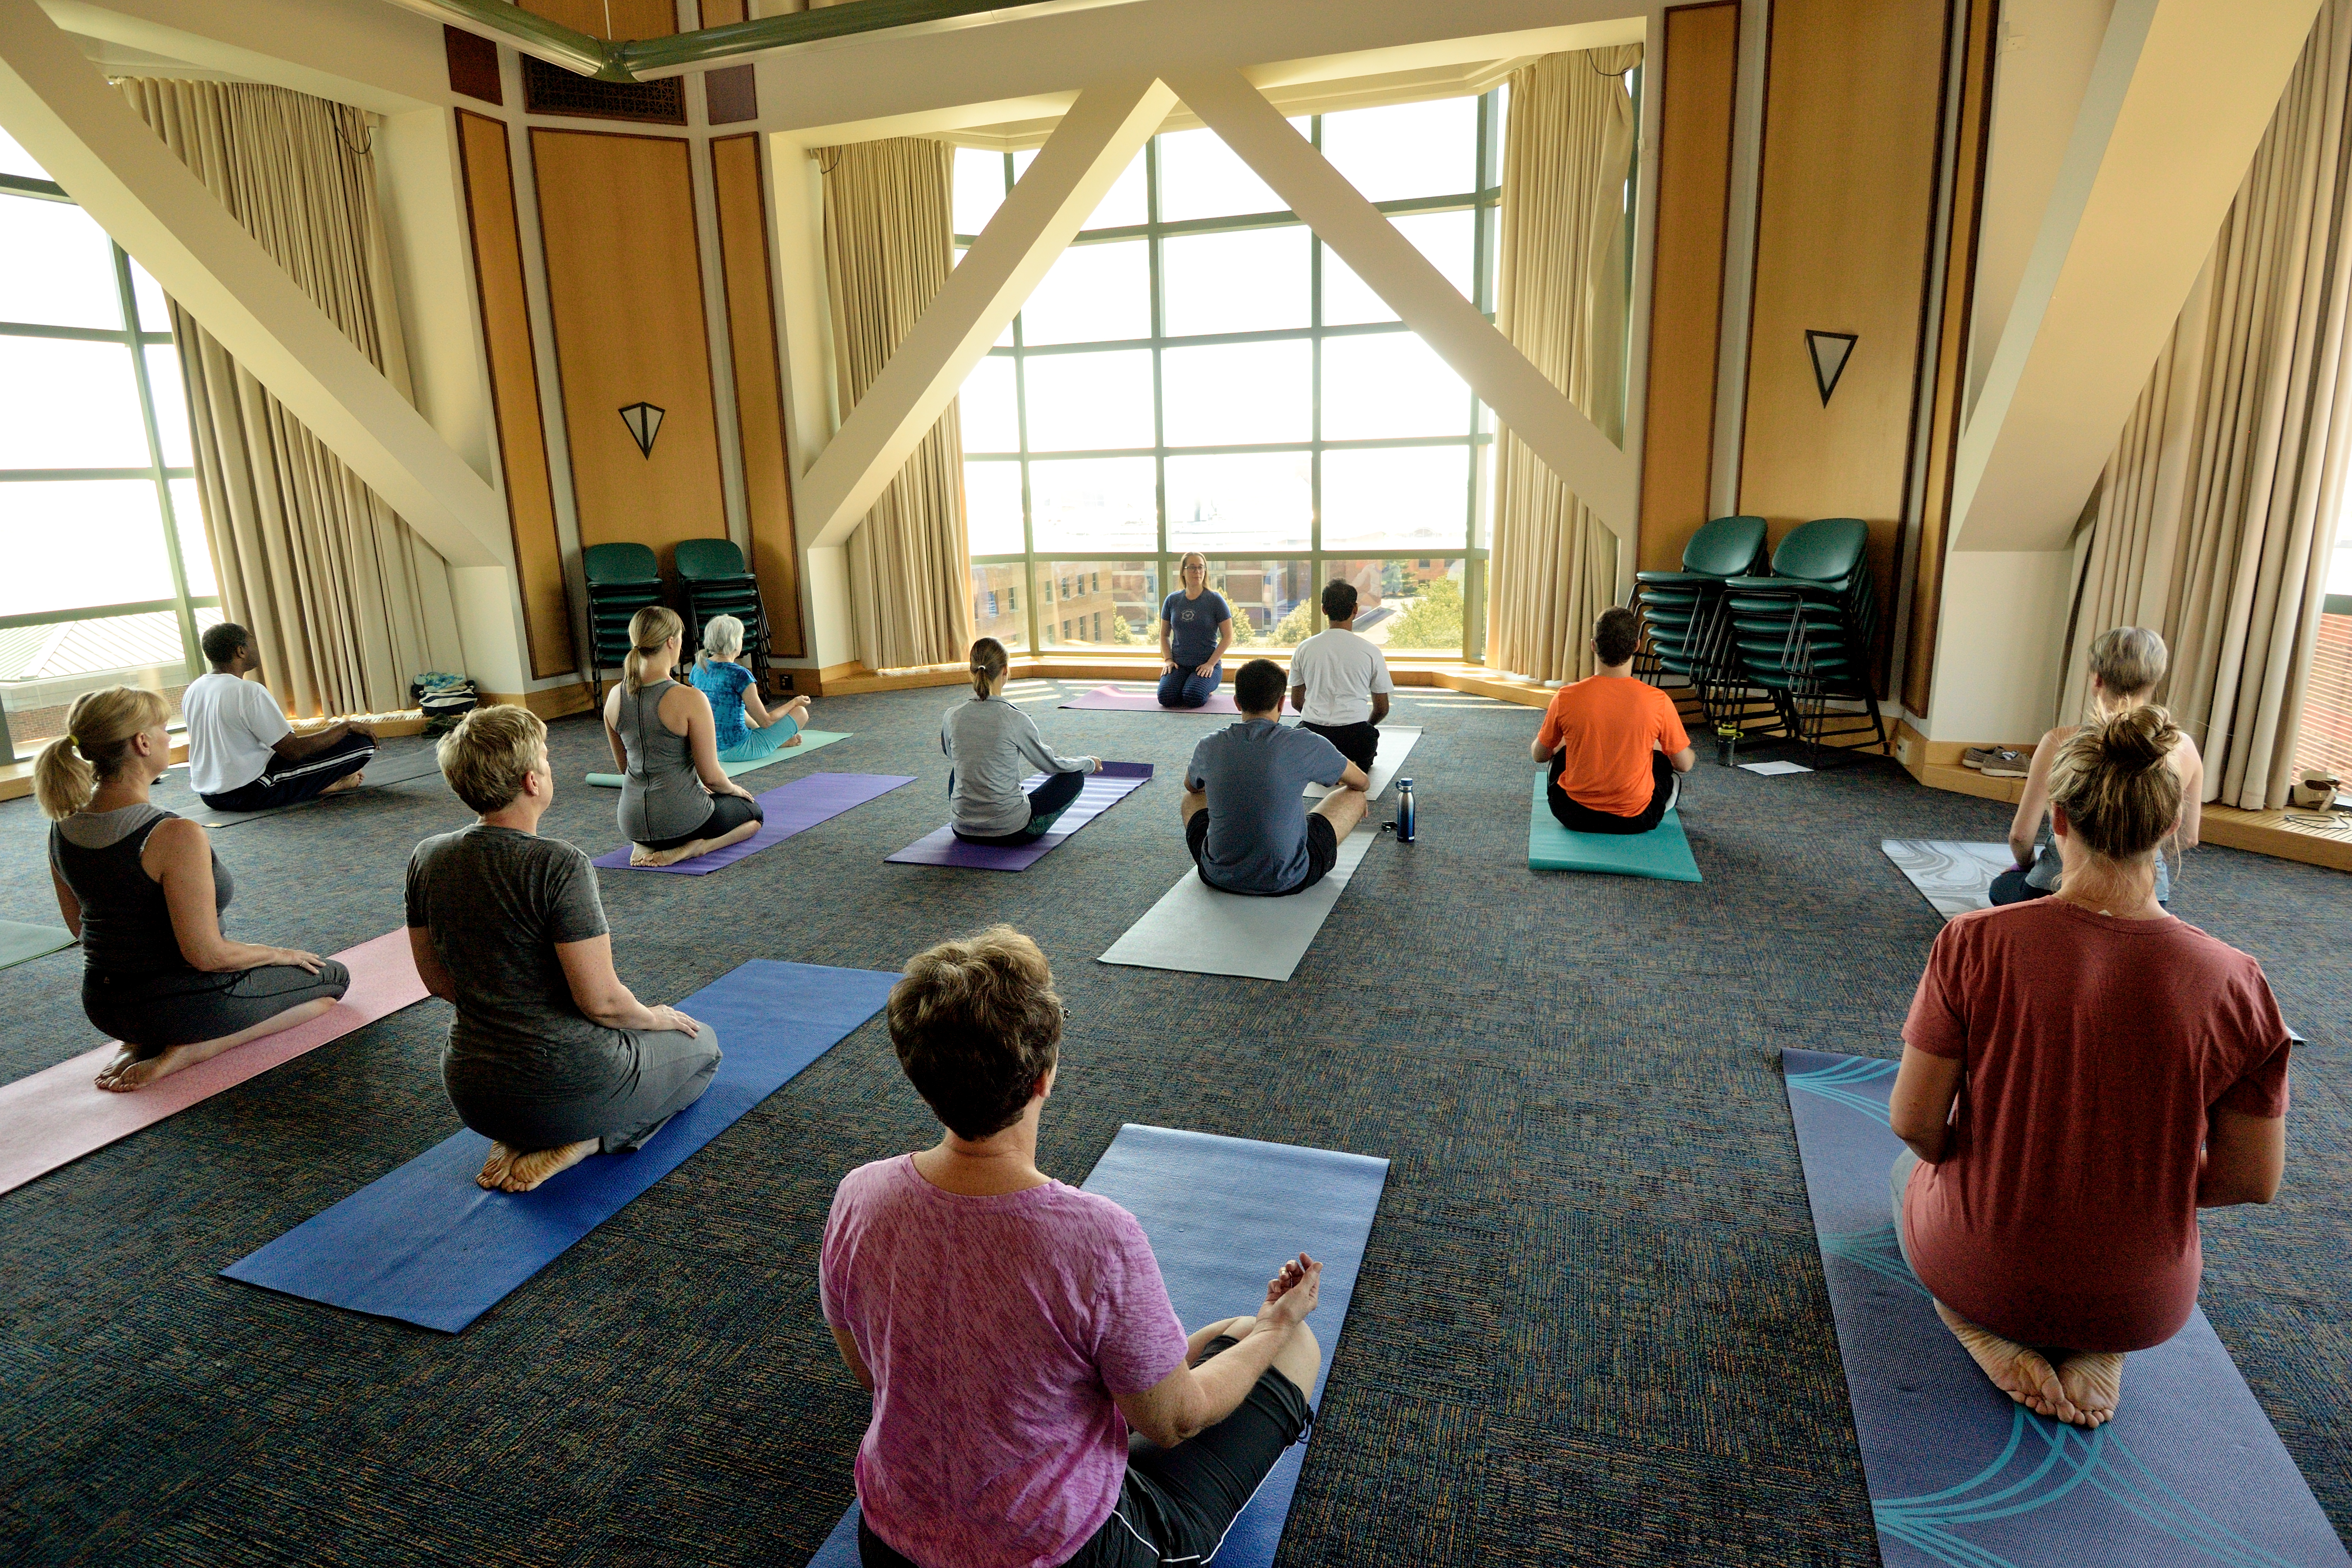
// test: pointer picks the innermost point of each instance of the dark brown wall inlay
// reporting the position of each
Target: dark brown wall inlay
(473, 64)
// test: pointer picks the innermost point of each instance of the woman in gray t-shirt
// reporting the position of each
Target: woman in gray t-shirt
(549, 1056)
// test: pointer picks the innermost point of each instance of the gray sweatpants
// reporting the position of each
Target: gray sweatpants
(672, 1071)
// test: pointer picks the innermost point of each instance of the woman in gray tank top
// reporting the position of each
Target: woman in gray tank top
(142, 891)
(676, 801)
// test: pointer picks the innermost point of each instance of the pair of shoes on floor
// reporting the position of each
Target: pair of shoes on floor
(1995, 761)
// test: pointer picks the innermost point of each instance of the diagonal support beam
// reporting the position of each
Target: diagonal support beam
(94, 144)
(1096, 139)
(1523, 397)
(2177, 101)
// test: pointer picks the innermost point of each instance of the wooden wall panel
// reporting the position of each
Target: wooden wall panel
(630, 18)
(514, 391)
(624, 284)
(741, 199)
(1853, 110)
(1950, 362)
(1694, 100)
(722, 13)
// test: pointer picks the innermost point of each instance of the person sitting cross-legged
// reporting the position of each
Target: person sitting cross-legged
(677, 802)
(1339, 681)
(1014, 1331)
(744, 731)
(2122, 1070)
(1615, 745)
(1245, 817)
(242, 753)
(990, 746)
(549, 1056)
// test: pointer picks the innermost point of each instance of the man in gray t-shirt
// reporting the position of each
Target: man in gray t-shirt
(1245, 818)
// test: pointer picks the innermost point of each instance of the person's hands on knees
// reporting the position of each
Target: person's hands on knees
(670, 1021)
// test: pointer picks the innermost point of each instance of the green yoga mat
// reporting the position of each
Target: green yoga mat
(21, 944)
(810, 740)
(1662, 854)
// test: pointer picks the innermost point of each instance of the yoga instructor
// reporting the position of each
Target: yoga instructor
(1195, 629)
(1013, 1330)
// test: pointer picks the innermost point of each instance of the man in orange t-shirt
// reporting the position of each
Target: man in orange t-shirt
(1614, 744)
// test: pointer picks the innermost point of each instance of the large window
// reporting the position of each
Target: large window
(1199, 371)
(109, 580)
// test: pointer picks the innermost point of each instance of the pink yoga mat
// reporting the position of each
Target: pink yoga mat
(57, 1116)
(1112, 698)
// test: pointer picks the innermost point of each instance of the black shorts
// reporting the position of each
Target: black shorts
(1176, 1504)
(728, 813)
(1322, 853)
(1360, 744)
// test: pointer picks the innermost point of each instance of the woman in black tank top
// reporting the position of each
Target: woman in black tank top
(144, 892)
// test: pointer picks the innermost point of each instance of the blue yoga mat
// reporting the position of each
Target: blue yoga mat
(2188, 1471)
(1662, 854)
(424, 1245)
(1222, 1214)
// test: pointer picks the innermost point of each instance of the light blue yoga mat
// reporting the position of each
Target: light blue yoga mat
(424, 1245)
(1223, 1214)
(2188, 1471)
(21, 942)
(810, 741)
(1662, 854)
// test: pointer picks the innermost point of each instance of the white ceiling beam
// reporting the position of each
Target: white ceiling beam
(1600, 472)
(2177, 101)
(359, 52)
(84, 133)
(1103, 132)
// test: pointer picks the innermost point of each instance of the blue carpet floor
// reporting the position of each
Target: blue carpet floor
(1591, 1326)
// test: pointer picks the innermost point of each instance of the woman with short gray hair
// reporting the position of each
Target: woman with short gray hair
(747, 731)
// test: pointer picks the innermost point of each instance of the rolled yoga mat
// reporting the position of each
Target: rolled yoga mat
(1110, 698)
(2189, 1470)
(791, 808)
(60, 1114)
(1222, 1214)
(1396, 745)
(425, 1245)
(1196, 928)
(21, 942)
(406, 765)
(1105, 789)
(1662, 854)
(810, 740)
(1954, 878)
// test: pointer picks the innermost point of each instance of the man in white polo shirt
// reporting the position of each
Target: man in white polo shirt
(242, 753)
(1340, 682)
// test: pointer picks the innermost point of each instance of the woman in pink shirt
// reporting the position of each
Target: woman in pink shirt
(2081, 1074)
(1013, 1331)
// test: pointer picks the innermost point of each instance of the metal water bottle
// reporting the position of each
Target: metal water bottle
(1404, 811)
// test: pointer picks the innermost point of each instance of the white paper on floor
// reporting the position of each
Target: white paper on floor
(1396, 744)
(1774, 770)
(1196, 929)
(1954, 878)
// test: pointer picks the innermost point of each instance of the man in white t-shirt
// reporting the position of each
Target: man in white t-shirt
(1340, 682)
(242, 753)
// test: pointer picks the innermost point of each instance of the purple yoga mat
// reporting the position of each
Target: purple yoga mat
(1112, 698)
(1106, 789)
(801, 803)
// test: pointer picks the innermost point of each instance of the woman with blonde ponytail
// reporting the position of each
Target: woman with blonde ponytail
(2123, 1070)
(676, 801)
(144, 892)
(993, 747)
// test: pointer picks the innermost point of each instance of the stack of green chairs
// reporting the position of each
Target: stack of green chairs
(717, 582)
(622, 580)
(1804, 635)
(1682, 624)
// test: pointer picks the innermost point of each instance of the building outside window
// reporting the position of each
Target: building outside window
(1199, 371)
(110, 579)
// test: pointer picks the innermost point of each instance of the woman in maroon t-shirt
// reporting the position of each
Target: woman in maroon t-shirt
(2122, 1069)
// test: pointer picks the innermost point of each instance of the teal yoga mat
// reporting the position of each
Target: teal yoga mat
(1662, 854)
(21, 942)
(810, 740)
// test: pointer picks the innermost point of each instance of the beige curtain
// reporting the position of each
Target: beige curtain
(2243, 472)
(344, 601)
(889, 244)
(1562, 304)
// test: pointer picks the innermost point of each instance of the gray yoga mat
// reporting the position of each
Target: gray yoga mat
(1196, 929)
(21, 942)
(1953, 876)
(1396, 744)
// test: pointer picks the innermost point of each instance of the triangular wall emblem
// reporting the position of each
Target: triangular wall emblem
(644, 420)
(1829, 351)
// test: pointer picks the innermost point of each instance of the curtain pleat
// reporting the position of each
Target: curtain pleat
(2220, 497)
(1562, 304)
(345, 603)
(889, 244)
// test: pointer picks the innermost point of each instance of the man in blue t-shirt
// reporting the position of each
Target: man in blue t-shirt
(1195, 629)
(1245, 817)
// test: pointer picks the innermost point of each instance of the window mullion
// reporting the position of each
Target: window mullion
(189, 652)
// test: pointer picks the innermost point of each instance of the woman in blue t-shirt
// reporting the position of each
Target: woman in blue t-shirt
(1195, 629)
(747, 731)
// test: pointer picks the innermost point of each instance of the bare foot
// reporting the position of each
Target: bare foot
(641, 856)
(348, 781)
(2093, 1380)
(125, 1072)
(525, 1172)
(2021, 1374)
(494, 1169)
